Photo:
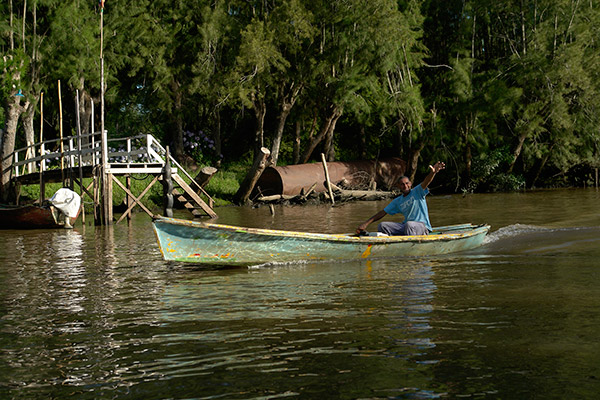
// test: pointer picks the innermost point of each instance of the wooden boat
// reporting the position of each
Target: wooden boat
(30, 217)
(208, 243)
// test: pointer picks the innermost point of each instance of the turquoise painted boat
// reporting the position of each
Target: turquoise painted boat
(216, 244)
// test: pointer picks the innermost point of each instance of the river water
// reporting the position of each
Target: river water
(95, 313)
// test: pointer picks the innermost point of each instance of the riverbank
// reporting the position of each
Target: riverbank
(222, 187)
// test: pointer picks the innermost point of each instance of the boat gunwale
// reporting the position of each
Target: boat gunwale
(468, 231)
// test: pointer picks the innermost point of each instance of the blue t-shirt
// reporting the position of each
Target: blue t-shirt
(413, 206)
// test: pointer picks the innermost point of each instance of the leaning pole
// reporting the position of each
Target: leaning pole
(106, 198)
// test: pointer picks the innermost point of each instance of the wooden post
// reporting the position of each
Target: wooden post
(128, 199)
(596, 178)
(106, 176)
(79, 160)
(98, 212)
(60, 129)
(108, 198)
(167, 183)
(92, 139)
(42, 163)
(327, 179)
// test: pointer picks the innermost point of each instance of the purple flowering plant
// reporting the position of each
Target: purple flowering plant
(201, 147)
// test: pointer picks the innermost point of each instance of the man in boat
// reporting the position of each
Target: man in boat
(411, 204)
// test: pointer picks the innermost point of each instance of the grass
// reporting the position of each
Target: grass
(222, 186)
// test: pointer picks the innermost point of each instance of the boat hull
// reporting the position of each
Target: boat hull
(29, 217)
(206, 243)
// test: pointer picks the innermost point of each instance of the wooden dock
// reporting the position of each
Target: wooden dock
(71, 159)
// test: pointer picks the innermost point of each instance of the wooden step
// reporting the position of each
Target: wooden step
(191, 193)
(188, 198)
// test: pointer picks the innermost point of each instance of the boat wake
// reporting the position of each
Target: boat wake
(511, 231)
(531, 239)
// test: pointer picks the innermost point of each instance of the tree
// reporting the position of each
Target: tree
(14, 80)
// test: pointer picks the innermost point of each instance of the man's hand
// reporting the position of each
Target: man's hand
(361, 228)
(437, 167)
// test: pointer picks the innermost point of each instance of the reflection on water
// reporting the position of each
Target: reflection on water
(96, 313)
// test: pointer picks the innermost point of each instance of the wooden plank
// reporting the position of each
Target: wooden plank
(137, 170)
(194, 196)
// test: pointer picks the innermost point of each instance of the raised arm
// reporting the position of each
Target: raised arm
(374, 218)
(433, 169)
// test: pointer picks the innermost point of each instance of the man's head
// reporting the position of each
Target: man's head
(404, 184)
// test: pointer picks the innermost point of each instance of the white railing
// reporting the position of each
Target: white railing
(132, 152)
(54, 153)
(141, 154)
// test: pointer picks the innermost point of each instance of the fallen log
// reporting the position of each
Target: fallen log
(276, 197)
(366, 195)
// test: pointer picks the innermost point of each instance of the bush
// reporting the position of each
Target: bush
(201, 148)
(487, 176)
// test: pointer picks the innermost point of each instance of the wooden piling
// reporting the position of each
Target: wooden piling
(79, 159)
(167, 183)
(42, 185)
(128, 199)
(108, 198)
(327, 179)
(60, 129)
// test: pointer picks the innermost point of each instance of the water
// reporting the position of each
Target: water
(95, 313)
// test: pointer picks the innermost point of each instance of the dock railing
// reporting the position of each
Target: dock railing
(141, 154)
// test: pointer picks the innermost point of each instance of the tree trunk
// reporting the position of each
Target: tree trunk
(467, 132)
(85, 111)
(217, 136)
(260, 111)
(331, 119)
(400, 137)
(329, 145)
(28, 115)
(538, 172)
(297, 142)
(287, 102)
(261, 153)
(175, 134)
(468, 161)
(261, 162)
(517, 152)
(283, 114)
(363, 143)
(413, 159)
(12, 112)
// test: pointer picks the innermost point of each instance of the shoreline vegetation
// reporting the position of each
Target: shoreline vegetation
(224, 184)
(507, 93)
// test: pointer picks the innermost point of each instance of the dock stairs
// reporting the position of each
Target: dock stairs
(190, 199)
(81, 156)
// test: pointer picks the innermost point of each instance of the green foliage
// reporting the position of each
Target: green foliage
(224, 184)
(14, 67)
(488, 175)
(516, 81)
